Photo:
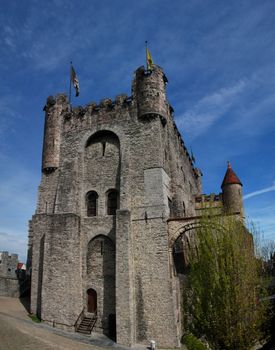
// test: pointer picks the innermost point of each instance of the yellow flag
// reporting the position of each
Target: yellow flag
(149, 60)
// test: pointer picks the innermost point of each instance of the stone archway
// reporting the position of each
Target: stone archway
(101, 277)
(182, 238)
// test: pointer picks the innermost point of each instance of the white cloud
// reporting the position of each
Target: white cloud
(259, 192)
(7, 113)
(18, 187)
(13, 242)
(262, 214)
(209, 109)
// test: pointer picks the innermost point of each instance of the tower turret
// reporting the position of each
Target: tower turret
(149, 92)
(52, 131)
(232, 192)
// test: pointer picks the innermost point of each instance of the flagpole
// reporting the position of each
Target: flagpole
(146, 48)
(70, 92)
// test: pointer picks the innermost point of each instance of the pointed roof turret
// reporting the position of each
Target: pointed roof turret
(230, 177)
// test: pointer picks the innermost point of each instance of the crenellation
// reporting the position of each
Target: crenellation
(83, 117)
(119, 100)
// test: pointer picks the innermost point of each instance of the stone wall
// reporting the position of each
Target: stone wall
(9, 287)
(131, 145)
(52, 130)
(56, 294)
(125, 292)
(8, 264)
(232, 196)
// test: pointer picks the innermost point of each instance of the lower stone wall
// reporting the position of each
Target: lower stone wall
(61, 298)
(9, 287)
(56, 291)
(155, 306)
(125, 322)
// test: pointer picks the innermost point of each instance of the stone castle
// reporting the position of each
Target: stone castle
(118, 200)
(12, 273)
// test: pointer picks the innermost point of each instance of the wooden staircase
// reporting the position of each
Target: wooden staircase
(85, 322)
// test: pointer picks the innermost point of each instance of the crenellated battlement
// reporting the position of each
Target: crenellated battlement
(105, 105)
(106, 111)
(213, 203)
(148, 100)
(206, 198)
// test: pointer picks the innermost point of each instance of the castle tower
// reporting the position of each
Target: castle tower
(113, 174)
(149, 91)
(232, 192)
(52, 130)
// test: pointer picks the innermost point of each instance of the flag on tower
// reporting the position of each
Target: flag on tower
(75, 81)
(149, 59)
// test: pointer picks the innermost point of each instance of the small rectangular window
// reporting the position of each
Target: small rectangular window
(112, 202)
(91, 201)
(170, 205)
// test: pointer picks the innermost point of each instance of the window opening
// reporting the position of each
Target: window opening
(92, 203)
(183, 209)
(103, 148)
(170, 205)
(112, 202)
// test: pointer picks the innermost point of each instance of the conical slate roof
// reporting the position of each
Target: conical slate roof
(230, 177)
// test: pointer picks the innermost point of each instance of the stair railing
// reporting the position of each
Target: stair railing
(93, 322)
(79, 319)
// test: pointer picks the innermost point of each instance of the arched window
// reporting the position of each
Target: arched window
(112, 202)
(91, 203)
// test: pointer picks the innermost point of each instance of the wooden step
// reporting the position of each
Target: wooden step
(83, 331)
(87, 324)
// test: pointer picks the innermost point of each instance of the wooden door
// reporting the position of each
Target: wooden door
(91, 300)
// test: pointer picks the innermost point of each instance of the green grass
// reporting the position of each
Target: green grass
(193, 343)
(34, 318)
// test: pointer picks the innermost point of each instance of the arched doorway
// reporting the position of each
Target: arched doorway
(91, 300)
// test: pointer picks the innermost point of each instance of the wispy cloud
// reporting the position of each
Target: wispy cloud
(262, 215)
(209, 109)
(7, 112)
(18, 194)
(259, 192)
(14, 242)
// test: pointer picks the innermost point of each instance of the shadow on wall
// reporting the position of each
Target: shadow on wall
(101, 274)
(109, 297)
(40, 277)
(141, 321)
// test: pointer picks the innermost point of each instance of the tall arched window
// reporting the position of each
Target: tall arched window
(112, 202)
(91, 203)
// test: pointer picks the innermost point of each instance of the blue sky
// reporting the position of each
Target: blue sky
(219, 57)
